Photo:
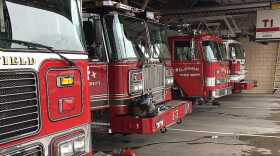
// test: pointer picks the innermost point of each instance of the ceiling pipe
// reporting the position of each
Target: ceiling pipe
(125, 2)
(144, 6)
(193, 3)
(219, 8)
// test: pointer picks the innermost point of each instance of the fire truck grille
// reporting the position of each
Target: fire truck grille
(154, 79)
(36, 150)
(19, 107)
(158, 96)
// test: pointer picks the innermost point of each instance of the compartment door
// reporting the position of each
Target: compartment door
(98, 62)
(188, 67)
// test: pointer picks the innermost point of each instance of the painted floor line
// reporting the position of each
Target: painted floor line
(265, 108)
(224, 133)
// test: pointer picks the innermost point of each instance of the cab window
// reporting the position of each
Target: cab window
(94, 39)
(185, 52)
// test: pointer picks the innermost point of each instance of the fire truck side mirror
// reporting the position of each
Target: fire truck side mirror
(193, 49)
(89, 32)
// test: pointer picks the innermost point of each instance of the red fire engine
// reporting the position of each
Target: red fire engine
(44, 99)
(200, 69)
(236, 57)
(130, 76)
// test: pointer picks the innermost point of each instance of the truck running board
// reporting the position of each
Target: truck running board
(149, 125)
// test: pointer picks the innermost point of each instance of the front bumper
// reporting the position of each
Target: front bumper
(221, 92)
(234, 78)
(149, 125)
(43, 146)
(245, 85)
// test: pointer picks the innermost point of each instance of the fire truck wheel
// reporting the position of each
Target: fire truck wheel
(198, 101)
(163, 130)
(177, 93)
(125, 134)
(179, 121)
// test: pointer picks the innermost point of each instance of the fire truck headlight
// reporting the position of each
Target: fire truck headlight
(136, 88)
(218, 71)
(66, 149)
(210, 81)
(70, 145)
(79, 145)
(135, 82)
(169, 81)
(218, 81)
(169, 77)
(140, 87)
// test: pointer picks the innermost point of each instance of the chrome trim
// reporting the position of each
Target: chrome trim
(82, 135)
(17, 94)
(99, 107)
(20, 115)
(130, 83)
(17, 151)
(99, 96)
(47, 91)
(228, 92)
(124, 94)
(100, 124)
(98, 100)
(19, 122)
(7, 110)
(16, 79)
(36, 97)
(19, 129)
(153, 77)
(46, 140)
(17, 86)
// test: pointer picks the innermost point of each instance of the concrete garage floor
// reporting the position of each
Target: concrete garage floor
(244, 125)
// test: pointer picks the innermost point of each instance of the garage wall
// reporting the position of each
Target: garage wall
(260, 60)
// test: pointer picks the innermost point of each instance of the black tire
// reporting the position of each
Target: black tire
(179, 121)
(198, 101)
(177, 93)
(163, 130)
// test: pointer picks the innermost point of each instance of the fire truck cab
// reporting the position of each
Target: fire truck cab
(130, 77)
(201, 73)
(236, 57)
(44, 107)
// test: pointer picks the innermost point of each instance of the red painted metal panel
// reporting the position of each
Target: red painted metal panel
(190, 75)
(234, 67)
(98, 81)
(150, 125)
(57, 94)
(51, 127)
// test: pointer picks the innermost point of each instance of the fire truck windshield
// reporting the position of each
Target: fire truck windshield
(54, 23)
(223, 52)
(158, 37)
(212, 51)
(127, 36)
(236, 51)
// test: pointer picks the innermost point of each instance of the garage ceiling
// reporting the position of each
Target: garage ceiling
(242, 13)
(189, 4)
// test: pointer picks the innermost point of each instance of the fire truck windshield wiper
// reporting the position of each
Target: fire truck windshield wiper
(38, 45)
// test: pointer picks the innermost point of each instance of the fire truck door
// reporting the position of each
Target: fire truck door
(188, 67)
(98, 63)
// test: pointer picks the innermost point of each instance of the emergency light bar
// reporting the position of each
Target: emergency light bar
(128, 9)
(119, 6)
